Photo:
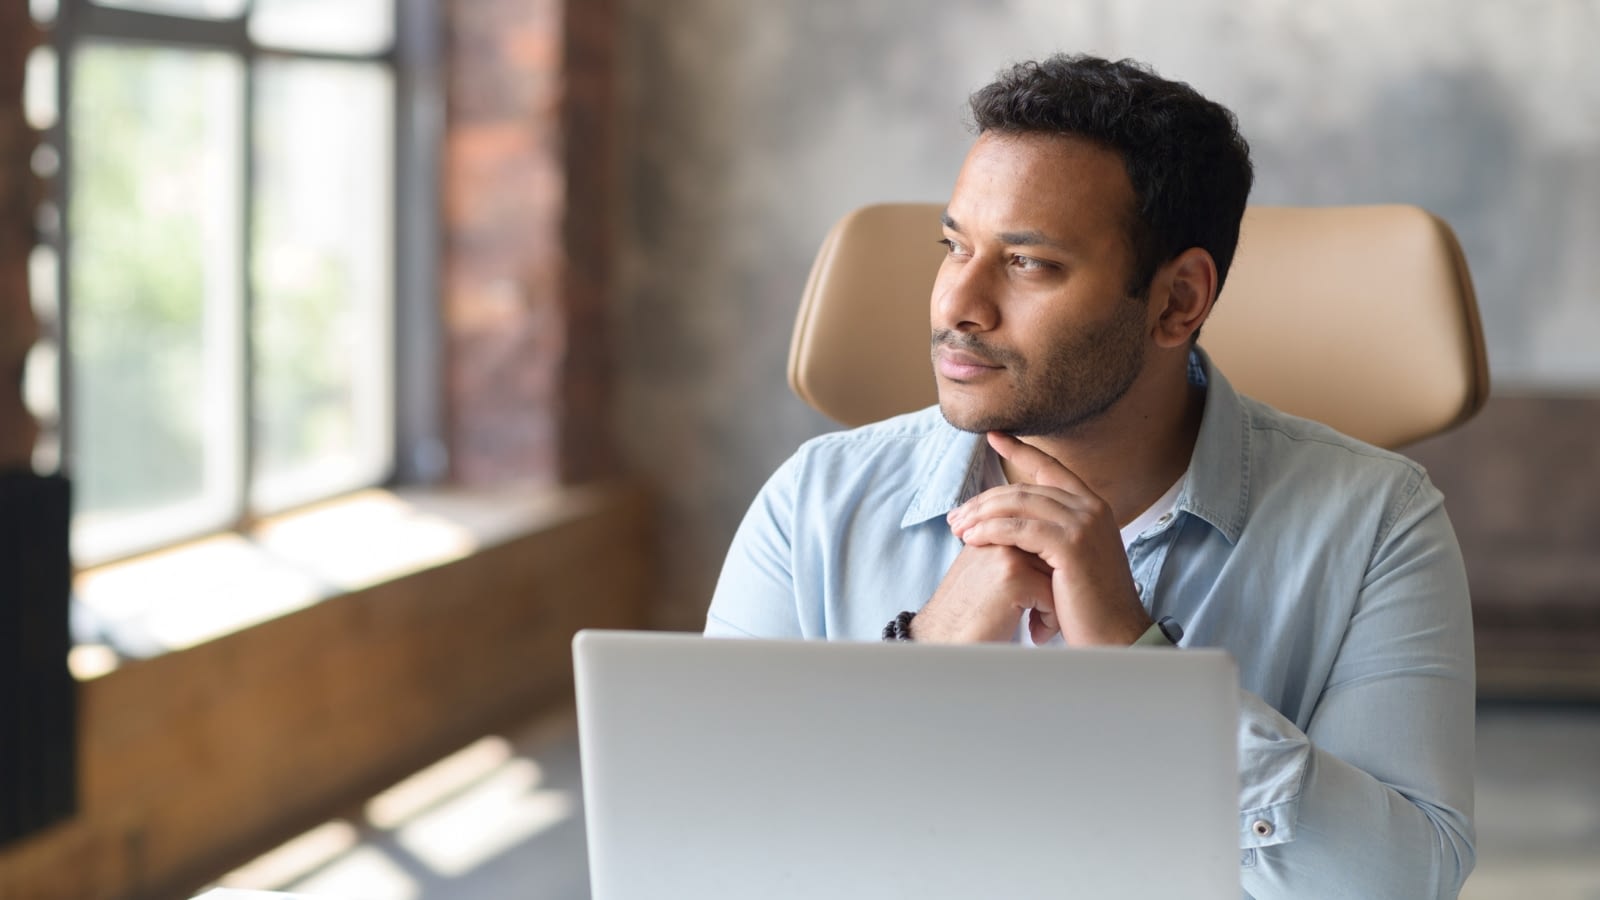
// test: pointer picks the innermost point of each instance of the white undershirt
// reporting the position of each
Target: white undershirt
(1159, 513)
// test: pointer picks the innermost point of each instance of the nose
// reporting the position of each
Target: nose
(963, 298)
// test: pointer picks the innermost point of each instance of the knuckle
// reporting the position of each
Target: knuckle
(1015, 563)
(1011, 563)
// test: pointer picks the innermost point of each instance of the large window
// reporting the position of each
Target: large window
(220, 278)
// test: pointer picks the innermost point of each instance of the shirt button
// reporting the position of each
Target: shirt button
(1165, 518)
(1262, 828)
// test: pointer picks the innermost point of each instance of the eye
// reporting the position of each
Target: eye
(1030, 264)
(954, 248)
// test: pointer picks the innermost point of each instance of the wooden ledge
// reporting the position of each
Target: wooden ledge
(194, 761)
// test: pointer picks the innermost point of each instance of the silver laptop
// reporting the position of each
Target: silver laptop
(716, 768)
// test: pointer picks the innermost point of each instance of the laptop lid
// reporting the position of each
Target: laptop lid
(717, 768)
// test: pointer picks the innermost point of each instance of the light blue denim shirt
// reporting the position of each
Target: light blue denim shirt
(1327, 567)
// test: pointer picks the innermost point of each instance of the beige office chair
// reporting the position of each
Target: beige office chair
(1360, 317)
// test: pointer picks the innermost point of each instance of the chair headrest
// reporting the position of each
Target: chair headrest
(1361, 317)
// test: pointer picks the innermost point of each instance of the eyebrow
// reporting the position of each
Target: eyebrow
(1016, 238)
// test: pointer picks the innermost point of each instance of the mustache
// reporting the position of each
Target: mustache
(968, 343)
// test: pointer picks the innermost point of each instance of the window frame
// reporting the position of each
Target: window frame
(412, 59)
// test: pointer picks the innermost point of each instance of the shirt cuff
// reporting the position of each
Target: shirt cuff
(1274, 757)
(1157, 635)
(1266, 826)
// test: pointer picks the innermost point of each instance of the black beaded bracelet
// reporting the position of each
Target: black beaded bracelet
(899, 627)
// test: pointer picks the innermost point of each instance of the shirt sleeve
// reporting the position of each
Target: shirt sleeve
(755, 595)
(1374, 798)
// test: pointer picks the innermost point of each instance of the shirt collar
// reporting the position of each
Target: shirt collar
(1215, 489)
(951, 475)
(1217, 485)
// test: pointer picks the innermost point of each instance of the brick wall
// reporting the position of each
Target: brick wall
(527, 231)
(19, 195)
(38, 712)
(589, 117)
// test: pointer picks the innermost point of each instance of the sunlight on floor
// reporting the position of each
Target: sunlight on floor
(366, 873)
(297, 858)
(504, 810)
(442, 822)
(395, 806)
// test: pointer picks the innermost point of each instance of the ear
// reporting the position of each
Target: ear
(1182, 294)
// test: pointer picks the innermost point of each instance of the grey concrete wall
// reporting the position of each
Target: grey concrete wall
(750, 125)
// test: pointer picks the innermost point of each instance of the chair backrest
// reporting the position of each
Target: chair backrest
(1360, 317)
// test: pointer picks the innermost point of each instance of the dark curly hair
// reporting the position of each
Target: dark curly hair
(1189, 166)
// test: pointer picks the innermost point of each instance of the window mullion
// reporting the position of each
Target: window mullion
(246, 371)
(240, 399)
(419, 449)
(66, 45)
(132, 25)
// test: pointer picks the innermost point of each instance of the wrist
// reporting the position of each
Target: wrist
(899, 627)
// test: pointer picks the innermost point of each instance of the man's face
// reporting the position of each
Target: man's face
(1033, 330)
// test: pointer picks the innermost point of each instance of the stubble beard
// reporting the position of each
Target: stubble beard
(1081, 378)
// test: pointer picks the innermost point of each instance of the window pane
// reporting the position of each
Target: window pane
(347, 26)
(154, 274)
(323, 277)
(208, 9)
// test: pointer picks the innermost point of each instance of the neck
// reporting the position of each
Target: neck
(1133, 452)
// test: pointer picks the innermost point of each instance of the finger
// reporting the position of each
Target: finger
(1036, 465)
(1046, 540)
(1043, 625)
(1028, 502)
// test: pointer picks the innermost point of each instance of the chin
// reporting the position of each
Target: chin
(967, 417)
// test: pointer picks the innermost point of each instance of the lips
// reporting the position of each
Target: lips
(963, 365)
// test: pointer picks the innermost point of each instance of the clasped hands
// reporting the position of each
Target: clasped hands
(1050, 546)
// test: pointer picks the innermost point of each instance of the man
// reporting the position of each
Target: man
(1090, 478)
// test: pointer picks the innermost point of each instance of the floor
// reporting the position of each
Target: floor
(1538, 804)
(502, 818)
